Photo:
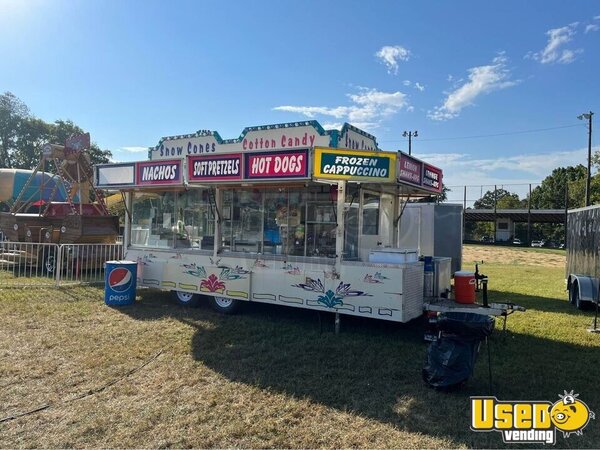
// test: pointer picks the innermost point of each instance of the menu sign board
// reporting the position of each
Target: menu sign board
(410, 170)
(432, 178)
(215, 167)
(276, 165)
(159, 172)
(115, 175)
(354, 165)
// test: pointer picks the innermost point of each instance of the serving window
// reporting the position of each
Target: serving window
(288, 221)
(295, 221)
(172, 219)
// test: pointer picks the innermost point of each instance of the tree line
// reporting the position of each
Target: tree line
(22, 135)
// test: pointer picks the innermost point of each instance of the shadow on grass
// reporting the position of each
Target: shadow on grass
(373, 368)
(553, 305)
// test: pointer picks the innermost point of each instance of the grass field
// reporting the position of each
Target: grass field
(269, 376)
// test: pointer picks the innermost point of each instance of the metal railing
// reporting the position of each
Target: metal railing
(24, 264)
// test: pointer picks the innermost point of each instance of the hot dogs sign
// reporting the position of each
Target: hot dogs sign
(249, 166)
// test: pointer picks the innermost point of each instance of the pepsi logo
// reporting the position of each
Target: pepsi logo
(119, 279)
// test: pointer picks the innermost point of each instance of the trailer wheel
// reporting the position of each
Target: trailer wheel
(225, 305)
(574, 293)
(186, 298)
(576, 299)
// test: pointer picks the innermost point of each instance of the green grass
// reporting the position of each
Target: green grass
(269, 376)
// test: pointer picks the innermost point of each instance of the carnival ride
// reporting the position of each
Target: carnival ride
(64, 208)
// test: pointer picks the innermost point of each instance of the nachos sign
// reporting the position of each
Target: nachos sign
(530, 422)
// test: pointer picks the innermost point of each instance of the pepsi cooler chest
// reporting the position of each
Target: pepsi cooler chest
(120, 282)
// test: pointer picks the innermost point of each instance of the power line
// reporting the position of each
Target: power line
(510, 133)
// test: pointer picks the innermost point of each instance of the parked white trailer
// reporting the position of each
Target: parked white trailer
(286, 214)
(583, 258)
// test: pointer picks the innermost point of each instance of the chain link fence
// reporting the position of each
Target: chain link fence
(505, 214)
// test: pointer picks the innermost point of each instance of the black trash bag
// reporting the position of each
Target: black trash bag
(450, 362)
(466, 324)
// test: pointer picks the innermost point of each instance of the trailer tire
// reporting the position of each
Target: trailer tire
(186, 298)
(574, 293)
(576, 299)
(225, 305)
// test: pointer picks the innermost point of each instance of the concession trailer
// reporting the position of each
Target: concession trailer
(288, 214)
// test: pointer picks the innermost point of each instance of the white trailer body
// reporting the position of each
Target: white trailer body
(272, 217)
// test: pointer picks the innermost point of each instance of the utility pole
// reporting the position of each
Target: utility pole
(588, 181)
(410, 135)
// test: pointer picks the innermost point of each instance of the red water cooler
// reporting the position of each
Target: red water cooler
(464, 287)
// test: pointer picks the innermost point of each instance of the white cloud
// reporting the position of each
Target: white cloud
(392, 55)
(597, 17)
(134, 149)
(369, 107)
(591, 27)
(333, 126)
(416, 85)
(482, 80)
(554, 51)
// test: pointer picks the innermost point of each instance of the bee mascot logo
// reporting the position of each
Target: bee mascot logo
(530, 422)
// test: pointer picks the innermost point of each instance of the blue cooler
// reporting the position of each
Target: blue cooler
(119, 282)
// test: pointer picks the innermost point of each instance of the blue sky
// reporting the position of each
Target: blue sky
(132, 71)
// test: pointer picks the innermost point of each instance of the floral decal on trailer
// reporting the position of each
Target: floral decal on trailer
(212, 282)
(330, 299)
(377, 278)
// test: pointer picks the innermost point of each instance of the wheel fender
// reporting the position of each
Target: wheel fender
(587, 287)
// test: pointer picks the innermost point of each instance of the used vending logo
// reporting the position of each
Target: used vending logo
(530, 422)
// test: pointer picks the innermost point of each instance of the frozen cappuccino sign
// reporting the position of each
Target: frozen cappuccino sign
(354, 165)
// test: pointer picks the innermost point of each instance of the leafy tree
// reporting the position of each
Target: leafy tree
(12, 114)
(33, 134)
(502, 198)
(22, 135)
(62, 129)
(551, 193)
